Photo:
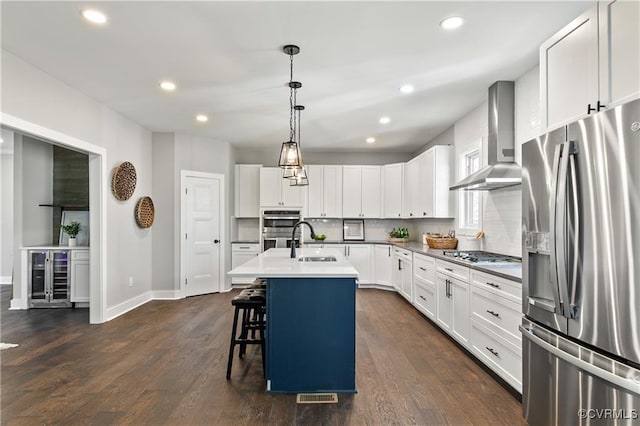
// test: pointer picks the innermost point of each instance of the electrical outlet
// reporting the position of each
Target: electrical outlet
(130, 281)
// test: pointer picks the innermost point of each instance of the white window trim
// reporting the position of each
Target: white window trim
(466, 231)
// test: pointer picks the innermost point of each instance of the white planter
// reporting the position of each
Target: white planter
(72, 242)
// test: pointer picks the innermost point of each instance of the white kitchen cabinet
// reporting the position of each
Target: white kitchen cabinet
(247, 190)
(403, 273)
(411, 190)
(393, 190)
(241, 253)
(591, 64)
(276, 191)
(452, 290)
(362, 191)
(383, 264)
(360, 256)
(79, 279)
(324, 194)
(424, 285)
(435, 173)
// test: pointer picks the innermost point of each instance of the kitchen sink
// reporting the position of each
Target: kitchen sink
(317, 259)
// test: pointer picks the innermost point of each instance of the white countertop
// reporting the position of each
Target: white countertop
(54, 247)
(277, 263)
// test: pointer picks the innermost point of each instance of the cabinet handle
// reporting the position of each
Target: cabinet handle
(598, 107)
(495, 314)
(493, 284)
(423, 298)
(448, 269)
(422, 269)
(399, 215)
(389, 251)
(244, 248)
(493, 351)
(410, 214)
(424, 213)
(399, 265)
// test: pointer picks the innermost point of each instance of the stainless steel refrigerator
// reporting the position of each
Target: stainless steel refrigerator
(581, 271)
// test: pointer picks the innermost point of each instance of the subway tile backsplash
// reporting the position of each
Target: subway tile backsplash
(502, 221)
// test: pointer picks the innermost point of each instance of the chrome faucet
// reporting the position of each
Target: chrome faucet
(293, 236)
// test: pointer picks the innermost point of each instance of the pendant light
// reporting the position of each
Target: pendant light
(290, 153)
(299, 175)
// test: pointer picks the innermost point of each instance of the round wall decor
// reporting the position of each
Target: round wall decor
(145, 212)
(124, 181)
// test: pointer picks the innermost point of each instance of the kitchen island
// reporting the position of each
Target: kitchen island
(311, 319)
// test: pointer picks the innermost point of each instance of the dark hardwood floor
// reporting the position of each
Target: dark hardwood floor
(165, 363)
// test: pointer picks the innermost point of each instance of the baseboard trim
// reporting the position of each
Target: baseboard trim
(5, 279)
(128, 305)
(166, 295)
(377, 286)
(16, 305)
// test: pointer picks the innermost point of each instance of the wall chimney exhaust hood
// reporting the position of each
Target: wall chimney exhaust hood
(502, 171)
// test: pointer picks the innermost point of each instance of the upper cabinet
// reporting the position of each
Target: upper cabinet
(428, 177)
(393, 190)
(247, 190)
(324, 194)
(276, 191)
(362, 191)
(591, 64)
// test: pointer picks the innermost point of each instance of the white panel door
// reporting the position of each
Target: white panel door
(332, 191)
(383, 264)
(270, 186)
(619, 51)
(247, 189)
(460, 321)
(426, 183)
(359, 256)
(203, 202)
(569, 71)
(393, 187)
(372, 191)
(444, 302)
(411, 188)
(352, 191)
(315, 191)
(291, 196)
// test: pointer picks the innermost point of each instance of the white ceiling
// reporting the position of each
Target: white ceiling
(227, 61)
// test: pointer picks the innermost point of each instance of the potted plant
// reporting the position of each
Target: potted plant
(72, 230)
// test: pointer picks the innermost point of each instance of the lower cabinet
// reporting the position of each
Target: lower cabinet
(383, 265)
(403, 272)
(495, 317)
(241, 253)
(452, 295)
(80, 276)
(424, 285)
(360, 257)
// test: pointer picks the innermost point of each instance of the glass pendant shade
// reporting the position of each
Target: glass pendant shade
(290, 156)
(300, 178)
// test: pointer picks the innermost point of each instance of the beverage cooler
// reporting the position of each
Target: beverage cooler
(49, 279)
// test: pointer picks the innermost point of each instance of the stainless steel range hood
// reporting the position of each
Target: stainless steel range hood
(501, 172)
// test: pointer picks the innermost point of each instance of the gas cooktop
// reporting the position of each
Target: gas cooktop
(482, 257)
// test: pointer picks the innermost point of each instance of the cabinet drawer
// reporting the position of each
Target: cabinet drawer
(245, 247)
(501, 356)
(79, 254)
(504, 314)
(405, 254)
(425, 297)
(453, 270)
(424, 267)
(498, 285)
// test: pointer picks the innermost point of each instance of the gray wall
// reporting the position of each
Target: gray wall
(36, 174)
(6, 207)
(173, 153)
(269, 157)
(444, 138)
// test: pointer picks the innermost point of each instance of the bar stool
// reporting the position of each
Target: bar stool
(251, 303)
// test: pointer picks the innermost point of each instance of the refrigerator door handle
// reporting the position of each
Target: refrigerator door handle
(632, 385)
(556, 203)
(559, 227)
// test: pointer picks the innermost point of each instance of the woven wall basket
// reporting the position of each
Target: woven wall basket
(145, 212)
(123, 182)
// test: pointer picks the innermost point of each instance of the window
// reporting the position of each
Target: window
(470, 200)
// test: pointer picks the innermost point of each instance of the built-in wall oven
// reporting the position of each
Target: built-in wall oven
(277, 226)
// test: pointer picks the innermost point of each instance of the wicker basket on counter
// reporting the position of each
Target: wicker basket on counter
(442, 242)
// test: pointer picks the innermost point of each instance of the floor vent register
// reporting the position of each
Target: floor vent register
(317, 398)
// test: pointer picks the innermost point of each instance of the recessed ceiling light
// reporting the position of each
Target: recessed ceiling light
(452, 23)
(94, 16)
(406, 88)
(202, 118)
(168, 86)
(371, 140)
(385, 120)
